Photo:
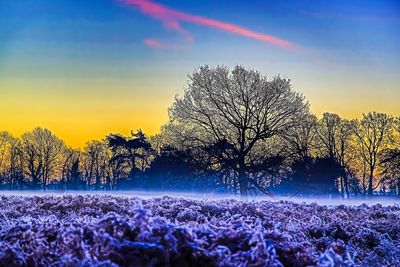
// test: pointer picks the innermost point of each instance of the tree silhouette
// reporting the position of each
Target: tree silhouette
(334, 141)
(373, 134)
(315, 176)
(240, 107)
(133, 150)
(71, 175)
(391, 160)
(173, 169)
(299, 140)
(10, 161)
(95, 163)
(40, 151)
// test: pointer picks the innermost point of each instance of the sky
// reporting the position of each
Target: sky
(84, 69)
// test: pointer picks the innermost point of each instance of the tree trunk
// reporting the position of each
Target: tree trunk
(370, 179)
(364, 192)
(346, 185)
(243, 186)
(342, 186)
(243, 182)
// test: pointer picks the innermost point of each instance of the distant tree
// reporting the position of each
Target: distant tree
(299, 148)
(344, 155)
(335, 136)
(134, 151)
(71, 176)
(391, 160)
(300, 139)
(324, 174)
(10, 161)
(15, 164)
(5, 138)
(40, 151)
(240, 108)
(95, 163)
(374, 133)
(173, 169)
(312, 176)
(117, 168)
(328, 128)
(75, 179)
(391, 169)
(267, 171)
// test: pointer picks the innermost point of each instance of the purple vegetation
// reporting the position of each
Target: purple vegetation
(119, 231)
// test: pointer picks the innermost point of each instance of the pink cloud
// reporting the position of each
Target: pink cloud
(154, 43)
(172, 20)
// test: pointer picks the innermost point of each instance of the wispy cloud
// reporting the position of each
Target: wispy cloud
(172, 20)
(154, 43)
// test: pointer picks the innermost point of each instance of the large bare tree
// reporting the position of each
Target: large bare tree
(236, 109)
(374, 133)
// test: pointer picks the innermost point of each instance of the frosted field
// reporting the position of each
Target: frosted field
(101, 230)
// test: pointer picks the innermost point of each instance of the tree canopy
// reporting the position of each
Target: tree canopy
(238, 109)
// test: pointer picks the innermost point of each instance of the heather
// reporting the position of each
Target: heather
(96, 230)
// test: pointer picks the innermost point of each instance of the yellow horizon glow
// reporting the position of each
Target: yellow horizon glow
(78, 111)
(79, 118)
(78, 124)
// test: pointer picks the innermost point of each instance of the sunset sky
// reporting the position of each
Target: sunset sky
(86, 68)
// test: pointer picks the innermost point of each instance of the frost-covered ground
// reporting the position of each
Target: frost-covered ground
(102, 230)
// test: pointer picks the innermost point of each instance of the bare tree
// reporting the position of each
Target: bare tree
(327, 132)
(391, 160)
(335, 135)
(95, 162)
(10, 163)
(300, 139)
(5, 138)
(15, 164)
(373, 133)
(344, 147)
(240, 108)
(70, 170)
(40, 150)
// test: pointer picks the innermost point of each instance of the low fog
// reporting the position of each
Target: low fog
(146, 194)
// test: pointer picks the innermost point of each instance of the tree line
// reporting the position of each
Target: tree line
(235, 131)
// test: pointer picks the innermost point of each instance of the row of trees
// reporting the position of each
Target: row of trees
(231, 131)
(39, 159)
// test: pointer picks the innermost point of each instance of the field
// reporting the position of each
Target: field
(101, 230)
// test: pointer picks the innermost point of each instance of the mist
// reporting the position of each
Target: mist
(209, 196)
